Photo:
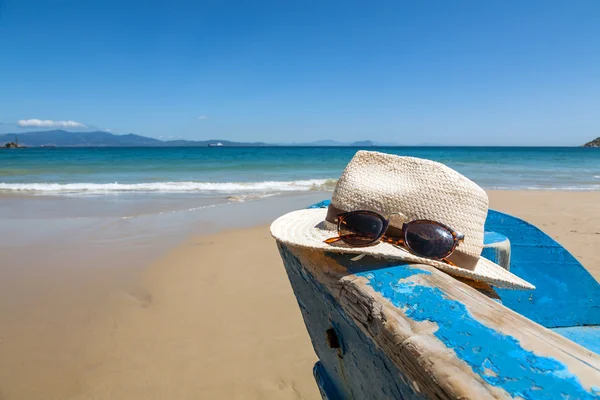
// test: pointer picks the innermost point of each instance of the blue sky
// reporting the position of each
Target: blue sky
(450, 72)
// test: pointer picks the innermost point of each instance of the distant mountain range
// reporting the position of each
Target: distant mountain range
(62, 138)
(90, 138)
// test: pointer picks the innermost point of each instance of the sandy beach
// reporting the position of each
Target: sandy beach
(570, 218)
(146, 149)
(211, 318)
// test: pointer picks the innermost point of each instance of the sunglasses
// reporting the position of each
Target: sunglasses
(424, 238)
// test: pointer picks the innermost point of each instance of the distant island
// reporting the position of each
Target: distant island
(61, 138)
(593, 143)
(14, 145)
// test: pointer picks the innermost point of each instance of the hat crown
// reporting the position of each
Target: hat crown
(416, 188)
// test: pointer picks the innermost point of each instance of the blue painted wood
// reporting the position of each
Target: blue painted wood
(359, 369)
(566, 294)
(321, 204)
(362, 371)
(324, 383)
(518, 371)
(586, 336)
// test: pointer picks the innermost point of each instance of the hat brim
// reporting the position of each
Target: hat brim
(308, 229)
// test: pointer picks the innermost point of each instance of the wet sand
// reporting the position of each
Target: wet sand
(212, 318)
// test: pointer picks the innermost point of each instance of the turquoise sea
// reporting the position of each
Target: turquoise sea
(272, 170)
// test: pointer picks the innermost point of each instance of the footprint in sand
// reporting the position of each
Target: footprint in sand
(285, 390)
(141, 296)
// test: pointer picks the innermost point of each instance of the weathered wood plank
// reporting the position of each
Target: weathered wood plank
(566, 294)
(412, 331)
(358, 369)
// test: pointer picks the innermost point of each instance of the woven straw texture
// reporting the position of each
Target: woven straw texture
(416, 188)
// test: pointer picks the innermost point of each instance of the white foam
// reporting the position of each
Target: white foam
(170, 187)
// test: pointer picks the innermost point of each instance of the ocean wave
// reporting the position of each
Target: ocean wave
(171, 187)
(241, 198)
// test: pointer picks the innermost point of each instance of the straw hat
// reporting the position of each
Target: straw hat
(416, 189)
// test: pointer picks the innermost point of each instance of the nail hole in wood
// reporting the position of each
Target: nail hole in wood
(332, 338)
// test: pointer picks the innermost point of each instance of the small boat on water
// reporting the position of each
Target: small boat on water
(219, 144)
(410, 331)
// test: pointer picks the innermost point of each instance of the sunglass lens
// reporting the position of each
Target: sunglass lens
(361, 228)
(429, 240)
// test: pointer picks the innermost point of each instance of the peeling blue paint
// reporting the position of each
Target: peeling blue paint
(499, 359)
(566, 294)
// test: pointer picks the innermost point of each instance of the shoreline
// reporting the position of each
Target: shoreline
(241, 196)
(191, 304)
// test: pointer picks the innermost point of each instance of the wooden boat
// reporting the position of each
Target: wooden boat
(403, 331)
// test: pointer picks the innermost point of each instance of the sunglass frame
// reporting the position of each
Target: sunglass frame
(457, 236)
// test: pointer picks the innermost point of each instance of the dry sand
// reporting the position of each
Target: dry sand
(214, 318)
(570, 218)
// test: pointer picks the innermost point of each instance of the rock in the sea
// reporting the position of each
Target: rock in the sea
(593, 143)
(13, 145)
